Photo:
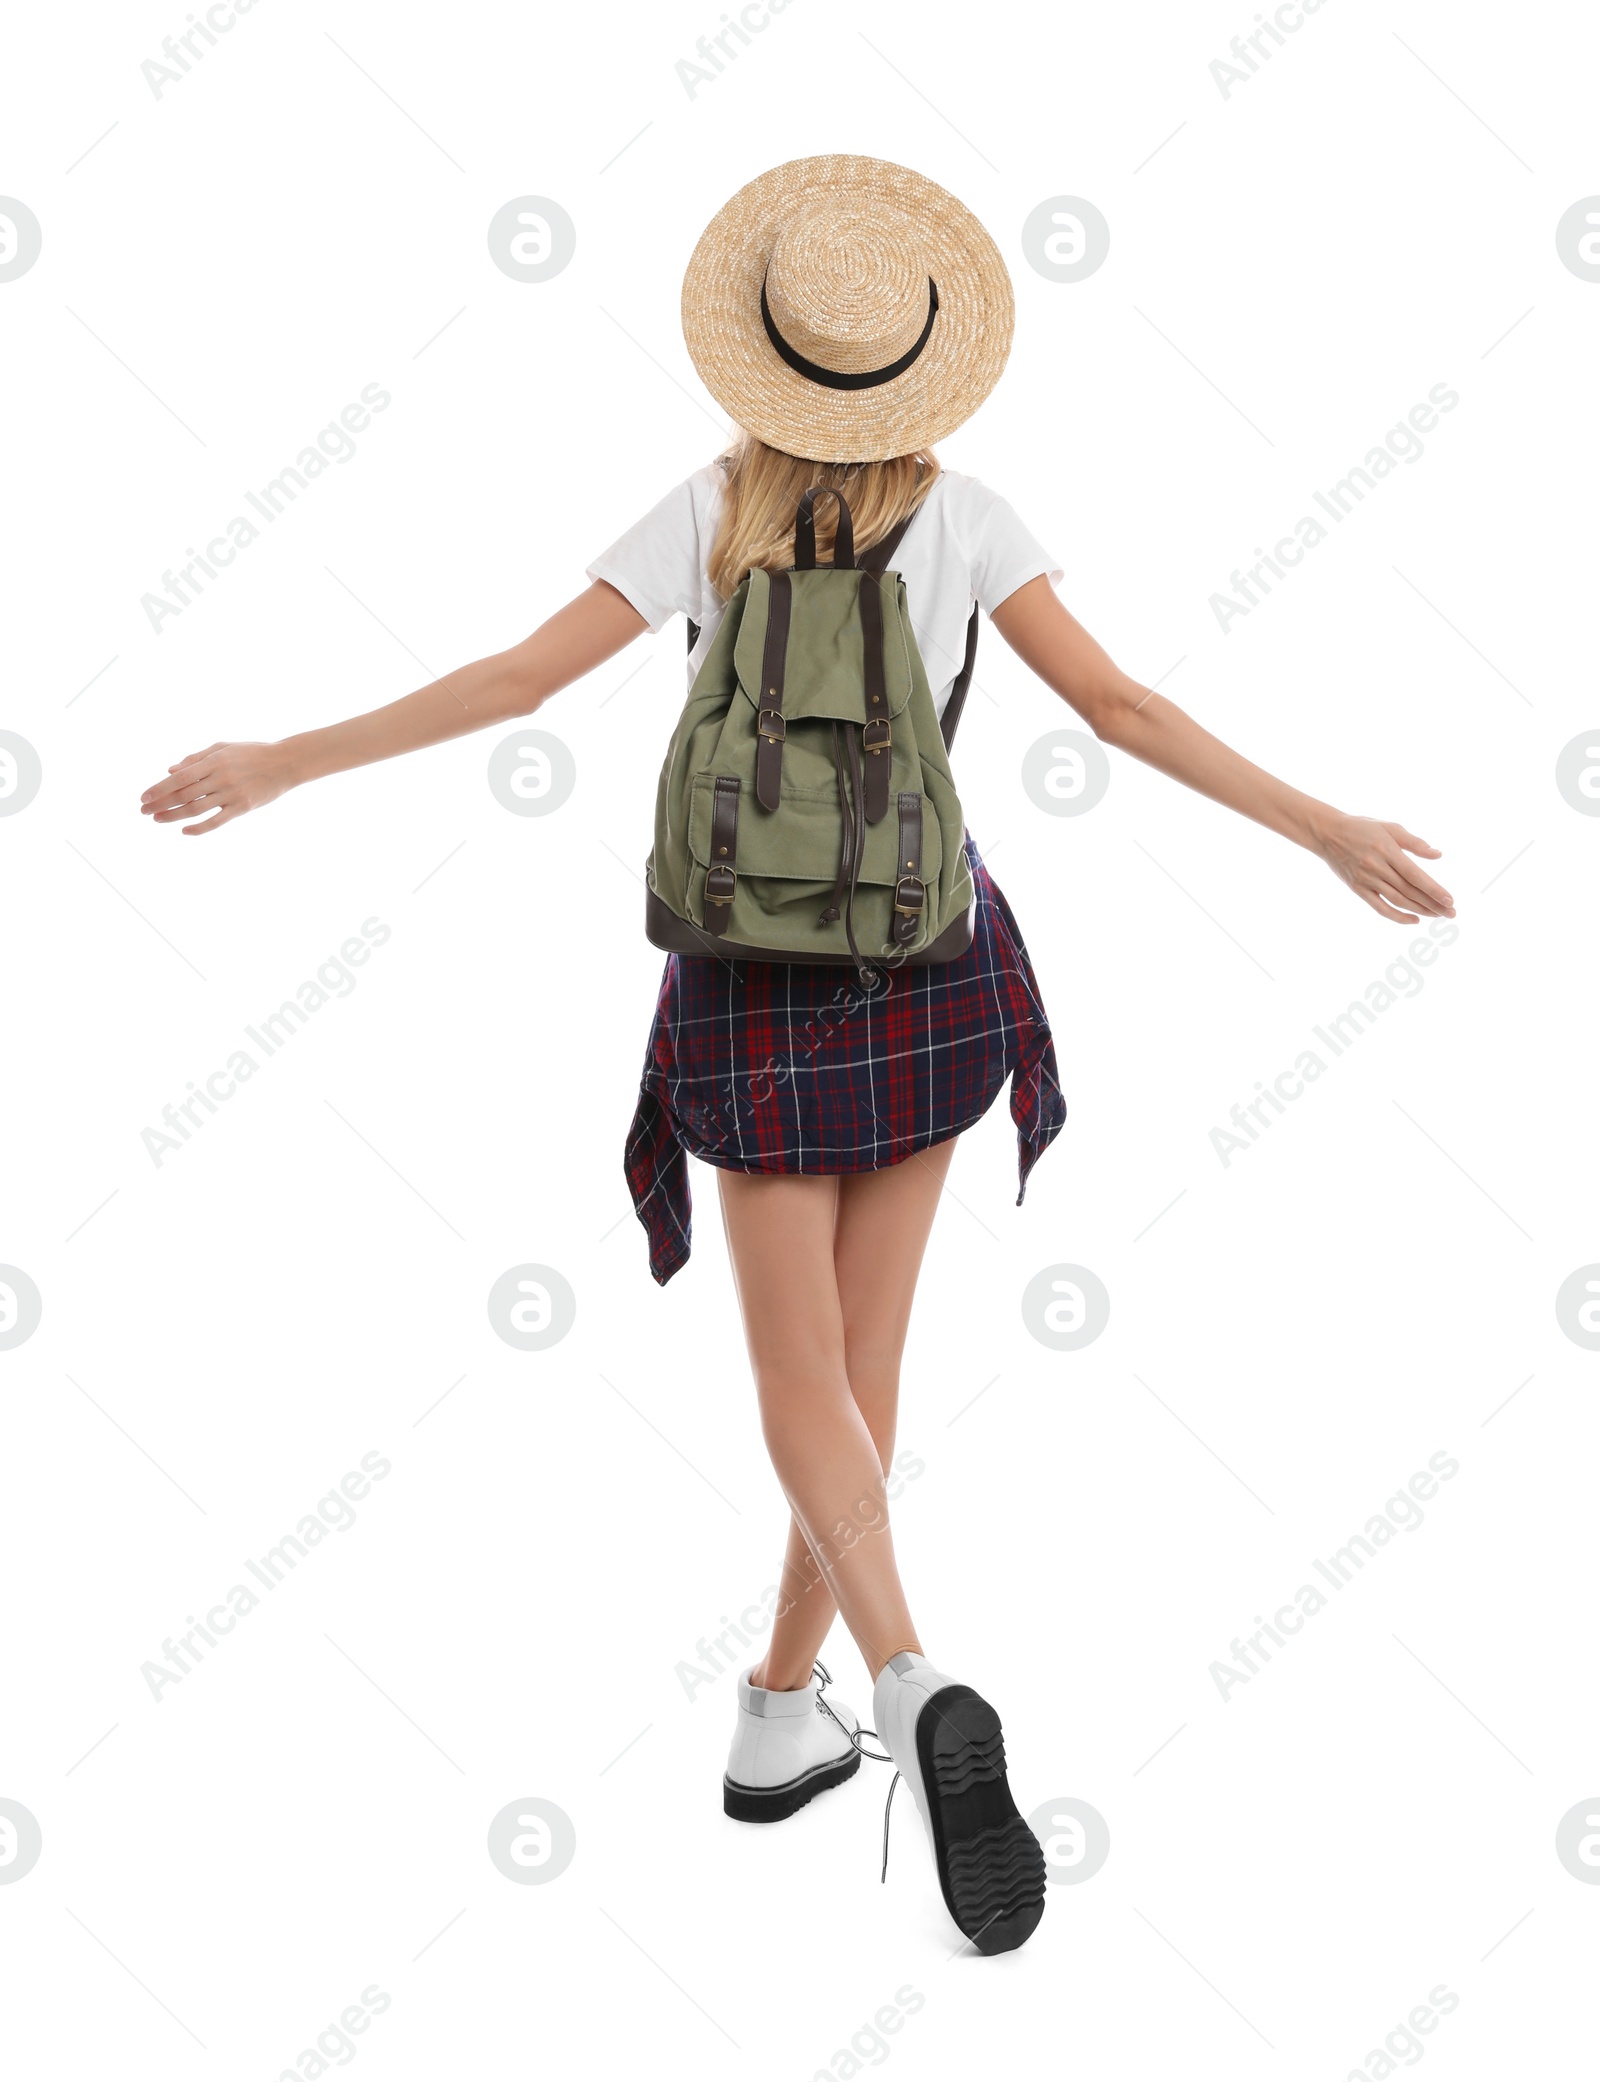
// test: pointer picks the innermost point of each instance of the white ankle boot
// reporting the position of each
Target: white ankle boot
(787, 1748)
(947, 1744)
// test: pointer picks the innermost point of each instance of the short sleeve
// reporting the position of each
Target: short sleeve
(658, 566)
(1004, 554)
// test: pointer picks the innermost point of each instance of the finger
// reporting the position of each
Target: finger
(168, 790)
(1420, 887)
(1411, 842)
(1393, 904)
(181, 804)
(1372, 902)
(1384, 911)
(179, 790)
(223, 816)
(191, 760)
(1404, 891)
(192, 808)
(177, 801)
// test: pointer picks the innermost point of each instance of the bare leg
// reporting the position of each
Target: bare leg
(826, 1270)
(880, 1232)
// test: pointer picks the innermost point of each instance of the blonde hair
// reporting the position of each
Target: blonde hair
(762, 488)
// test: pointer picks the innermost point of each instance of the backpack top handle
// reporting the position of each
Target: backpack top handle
(805, 533)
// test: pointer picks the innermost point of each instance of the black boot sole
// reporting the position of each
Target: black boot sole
(775, 1803)
(990, 1863)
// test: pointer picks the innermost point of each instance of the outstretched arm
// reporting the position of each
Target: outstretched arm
(1369, 855)
(224, 781)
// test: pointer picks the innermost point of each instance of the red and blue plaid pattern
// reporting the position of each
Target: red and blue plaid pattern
(799, 1067)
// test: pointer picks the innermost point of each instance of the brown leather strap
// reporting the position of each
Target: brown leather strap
(877, 558)
(724, 846)
(960, 684)
(875, 738)
(770, 726)
(910, 898)
(805, 533)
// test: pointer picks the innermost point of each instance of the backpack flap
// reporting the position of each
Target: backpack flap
(824, 656)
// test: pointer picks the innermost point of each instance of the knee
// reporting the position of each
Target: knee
(805, 1362)
(800, 1404)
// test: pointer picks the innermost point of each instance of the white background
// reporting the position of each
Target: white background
(226, 1333)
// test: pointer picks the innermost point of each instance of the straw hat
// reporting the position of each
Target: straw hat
(847, 309)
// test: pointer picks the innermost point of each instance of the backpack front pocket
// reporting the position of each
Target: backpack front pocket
(785, 869)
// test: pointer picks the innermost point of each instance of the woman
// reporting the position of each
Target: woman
(848, 314)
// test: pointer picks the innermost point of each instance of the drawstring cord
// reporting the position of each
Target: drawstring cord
(853, 842)
(866, 973)
(824, 1677)
(831, 912)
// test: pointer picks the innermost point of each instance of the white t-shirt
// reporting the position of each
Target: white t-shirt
(964, 544)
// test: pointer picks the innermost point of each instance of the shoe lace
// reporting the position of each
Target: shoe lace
(883, 1870)
(824, 1677)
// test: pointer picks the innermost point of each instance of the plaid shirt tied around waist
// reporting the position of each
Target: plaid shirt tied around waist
(800, 1067)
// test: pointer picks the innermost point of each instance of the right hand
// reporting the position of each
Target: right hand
(224, 780)
(1370, 855)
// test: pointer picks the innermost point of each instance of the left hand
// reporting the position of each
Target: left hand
(1371, 857)
(225, 780)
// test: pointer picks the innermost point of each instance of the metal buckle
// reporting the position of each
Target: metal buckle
(773, 717)
(722, 892)
(903, 902)
(883, 742)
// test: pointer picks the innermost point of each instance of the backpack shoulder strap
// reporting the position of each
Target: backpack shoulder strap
(877, 559)
(960, 684)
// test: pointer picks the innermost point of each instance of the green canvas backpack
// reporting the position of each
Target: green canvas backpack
(805, 810)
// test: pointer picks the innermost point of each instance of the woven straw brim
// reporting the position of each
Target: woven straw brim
(743, 371)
